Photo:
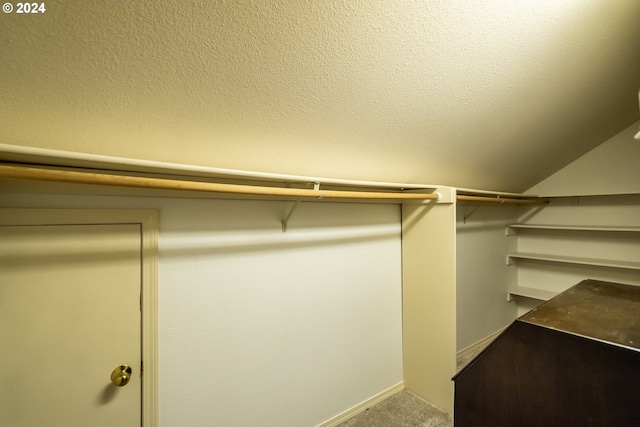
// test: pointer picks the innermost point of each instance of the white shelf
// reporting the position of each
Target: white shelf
(628, 265)
(534, 293)
(589, 241)
(574, 228)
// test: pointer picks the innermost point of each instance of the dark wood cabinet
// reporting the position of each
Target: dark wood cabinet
(573, 361)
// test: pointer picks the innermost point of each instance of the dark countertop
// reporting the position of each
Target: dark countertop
(604, 311)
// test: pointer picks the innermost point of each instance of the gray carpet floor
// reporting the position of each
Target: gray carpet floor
(405, 409)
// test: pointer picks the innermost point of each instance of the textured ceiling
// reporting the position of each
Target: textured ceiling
(484, 94)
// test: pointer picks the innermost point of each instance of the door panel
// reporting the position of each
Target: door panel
(69, 315)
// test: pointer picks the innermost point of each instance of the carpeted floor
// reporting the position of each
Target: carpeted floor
(405, 409)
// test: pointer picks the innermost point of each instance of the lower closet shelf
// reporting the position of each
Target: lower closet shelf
(534, 293)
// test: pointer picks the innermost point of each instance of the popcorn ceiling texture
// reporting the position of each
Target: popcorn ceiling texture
(486, 94)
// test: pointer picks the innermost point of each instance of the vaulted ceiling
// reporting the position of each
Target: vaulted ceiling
(493, 94)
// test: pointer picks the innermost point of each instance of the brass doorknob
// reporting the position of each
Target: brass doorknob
(121, 375)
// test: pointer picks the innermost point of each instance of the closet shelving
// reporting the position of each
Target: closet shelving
(598, 262)
(512, 228)
(596, 247)
(528, 292)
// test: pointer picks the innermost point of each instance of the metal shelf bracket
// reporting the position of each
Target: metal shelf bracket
(285, 220)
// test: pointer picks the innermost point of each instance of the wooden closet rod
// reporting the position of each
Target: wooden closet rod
(502, 200)
(76, 177)
(56, 175)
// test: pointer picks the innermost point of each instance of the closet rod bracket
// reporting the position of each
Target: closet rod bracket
(466, 217)
(285, 220)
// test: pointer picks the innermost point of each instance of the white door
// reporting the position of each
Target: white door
(69, 315)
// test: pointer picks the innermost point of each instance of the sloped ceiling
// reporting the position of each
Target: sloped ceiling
(495, 94)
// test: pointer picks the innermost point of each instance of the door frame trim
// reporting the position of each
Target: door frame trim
(148, 221)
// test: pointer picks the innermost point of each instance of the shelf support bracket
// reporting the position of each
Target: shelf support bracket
(464, 219)
(285, 220)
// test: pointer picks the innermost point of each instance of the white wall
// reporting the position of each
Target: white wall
(482, 276)
(429, 299)
(260, 327)
(610, 168)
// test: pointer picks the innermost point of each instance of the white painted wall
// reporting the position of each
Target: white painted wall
(260, 327)
(429, 299)
(482, 276)
(610, 168)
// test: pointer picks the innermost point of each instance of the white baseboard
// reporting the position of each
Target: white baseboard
(349, 413)
(479, 344)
